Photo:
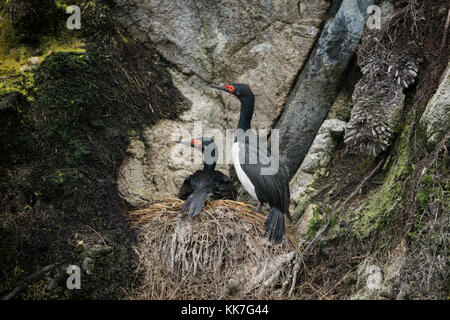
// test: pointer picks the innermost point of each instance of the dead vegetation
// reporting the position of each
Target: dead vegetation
(416, 227)
(389, 59)
(72, 122)
(220, 254)
(428, 226)
(411, 45)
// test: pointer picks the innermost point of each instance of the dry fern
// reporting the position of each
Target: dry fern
(389, 60)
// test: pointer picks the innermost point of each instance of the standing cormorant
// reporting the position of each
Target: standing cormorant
(272, 188)
(207, 182)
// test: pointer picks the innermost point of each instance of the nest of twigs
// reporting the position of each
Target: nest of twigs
(222, 253)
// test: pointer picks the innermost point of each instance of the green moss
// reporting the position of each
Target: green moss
(316, 222)
(384, 202)
(75, 110)
(10, 57)
(15, 58)
(300, 208)
(15, 52)
(423, 196)
(20, 81)
(422, 133)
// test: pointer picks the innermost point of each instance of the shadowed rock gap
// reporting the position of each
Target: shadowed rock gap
(317, 85)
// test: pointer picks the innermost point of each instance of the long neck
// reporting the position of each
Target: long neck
(247, 108)
(209, 167)
(210, 157)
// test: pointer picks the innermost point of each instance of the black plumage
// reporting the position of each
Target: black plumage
(270, 188)
(206, 182)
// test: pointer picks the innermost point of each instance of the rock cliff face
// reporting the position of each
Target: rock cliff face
(317, 157)
(436, 118)
(346, 122)
(318, 84)
(89, 118)
(261, 43)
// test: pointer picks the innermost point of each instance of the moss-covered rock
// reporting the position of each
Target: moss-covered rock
(385, 201)
(15, 138)
(11, 99)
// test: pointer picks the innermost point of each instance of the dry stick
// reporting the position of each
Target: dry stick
(340, 281)
(441, 146)
(444, 37)
(30, 279)
(294, 276)
(319, 233)
(104, 242)
(359, 187)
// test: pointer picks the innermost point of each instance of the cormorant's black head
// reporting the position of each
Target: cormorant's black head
(247, 99)
(239, 90)
(199, 143)
(207, 147)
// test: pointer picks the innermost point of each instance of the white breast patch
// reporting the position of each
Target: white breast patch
(241, 174)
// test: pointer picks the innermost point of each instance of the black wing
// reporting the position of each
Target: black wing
(220, 185)
(186, 189)
(223, 187)
(272, 188)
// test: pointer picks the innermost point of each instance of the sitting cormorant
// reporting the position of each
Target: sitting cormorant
(207, 182)
(272, 188)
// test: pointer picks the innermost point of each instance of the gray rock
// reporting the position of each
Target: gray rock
(436, 118)
(318, 157)
(88, 265)
(375, 281)
(318, 83)
(261, 43)
(303, 223)
(98, 250)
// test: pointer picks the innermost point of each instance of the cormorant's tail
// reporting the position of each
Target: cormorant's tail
(196, 200)
(275, 228)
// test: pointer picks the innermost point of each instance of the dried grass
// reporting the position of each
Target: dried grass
(222, 253)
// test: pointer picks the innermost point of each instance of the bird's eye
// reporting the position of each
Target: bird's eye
(230, 88)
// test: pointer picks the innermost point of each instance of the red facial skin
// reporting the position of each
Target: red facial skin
(197, 143)
(230, 88)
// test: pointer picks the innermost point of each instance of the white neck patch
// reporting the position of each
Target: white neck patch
(243, 178)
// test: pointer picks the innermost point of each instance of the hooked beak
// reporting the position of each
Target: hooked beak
(185, 143)
(220, 88)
